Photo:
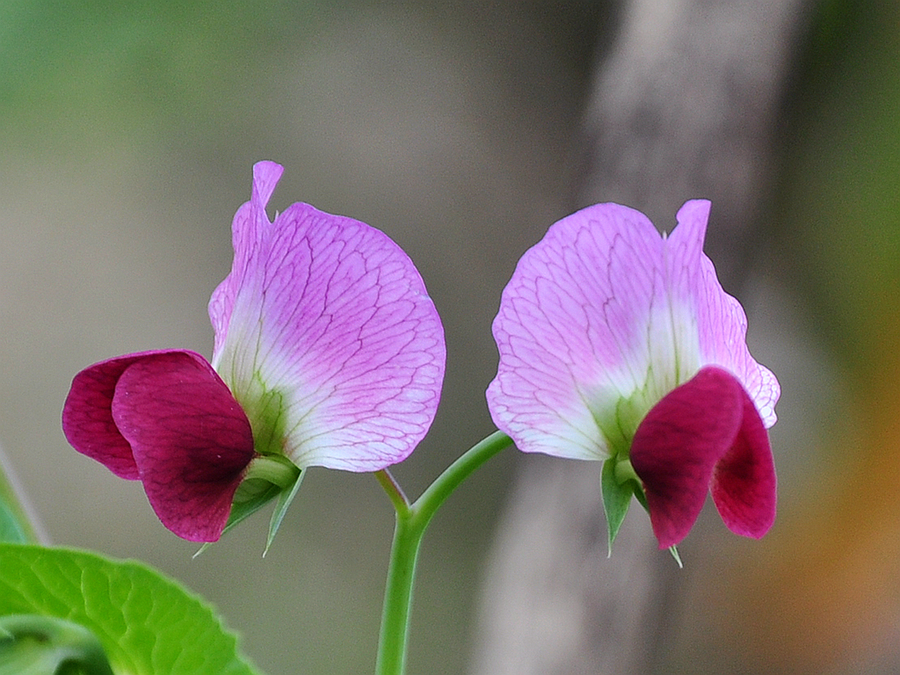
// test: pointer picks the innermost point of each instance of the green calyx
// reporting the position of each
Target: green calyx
(266, 478)
(625, 472)
(618, 418)
(618, 480)
(618, 484)
(263, 473)
(270, 475)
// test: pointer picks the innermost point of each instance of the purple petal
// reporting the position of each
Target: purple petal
(574, 331)
(87, 419)
(330, 318)
(720, 319)
(266, 175)
(744, 485)
(249, 222)
(190, 440)
(603, 318)
(678, 444)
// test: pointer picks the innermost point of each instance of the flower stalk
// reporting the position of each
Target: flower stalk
(17, 524)
(409, 529)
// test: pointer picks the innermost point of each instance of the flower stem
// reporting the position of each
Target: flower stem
(412, 519)
(17, 524)
(394, 491)
(398, 597)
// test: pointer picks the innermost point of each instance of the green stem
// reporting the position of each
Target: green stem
(394, 491)
(398, 597)
(412, 520)
(16, 523)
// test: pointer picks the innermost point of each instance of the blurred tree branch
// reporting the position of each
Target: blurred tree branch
(684, 103)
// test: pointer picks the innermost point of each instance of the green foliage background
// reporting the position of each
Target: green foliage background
(145, 623)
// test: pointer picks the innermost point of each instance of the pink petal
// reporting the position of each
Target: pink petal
(678, 444)
(721, 321)
(87, 419)
(250, 222)
(332, 317)
(572, 330)
(265, 177)
(744, 485)
(190, 440)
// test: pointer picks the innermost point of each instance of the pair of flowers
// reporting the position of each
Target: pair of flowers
(615, 344)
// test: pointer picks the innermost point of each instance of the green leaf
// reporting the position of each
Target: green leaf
(31, 644)
(147, 623)
(616, 499)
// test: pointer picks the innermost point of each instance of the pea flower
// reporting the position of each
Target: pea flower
(328, 352)
(620, 345)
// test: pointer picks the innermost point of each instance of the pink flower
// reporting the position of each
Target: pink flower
(619, 344)
(328, 352)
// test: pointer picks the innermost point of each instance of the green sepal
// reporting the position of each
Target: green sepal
(281, 507)
(675, 554)
(641, 496)
(616, 499)
(146, 623)
(257, 490)
(240, 511)
(33, 644)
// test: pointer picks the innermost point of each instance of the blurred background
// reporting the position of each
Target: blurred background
(127, 135)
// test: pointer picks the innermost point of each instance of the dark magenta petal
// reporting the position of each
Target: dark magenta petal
(190, 440)
(677, 445)
(87, 419)
(743, 484)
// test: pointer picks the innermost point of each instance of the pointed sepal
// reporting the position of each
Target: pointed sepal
(617, 496)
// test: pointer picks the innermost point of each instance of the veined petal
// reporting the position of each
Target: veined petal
(327, 337)
(743, 483)
(581, 322)
(720, 321)
(678, 444)
(616, 341)
(249, 224)
(87, 419)
(190, 439)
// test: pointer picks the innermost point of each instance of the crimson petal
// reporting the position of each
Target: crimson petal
(190, 439)
(678, 444)
(87, 419)
(743, 483)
